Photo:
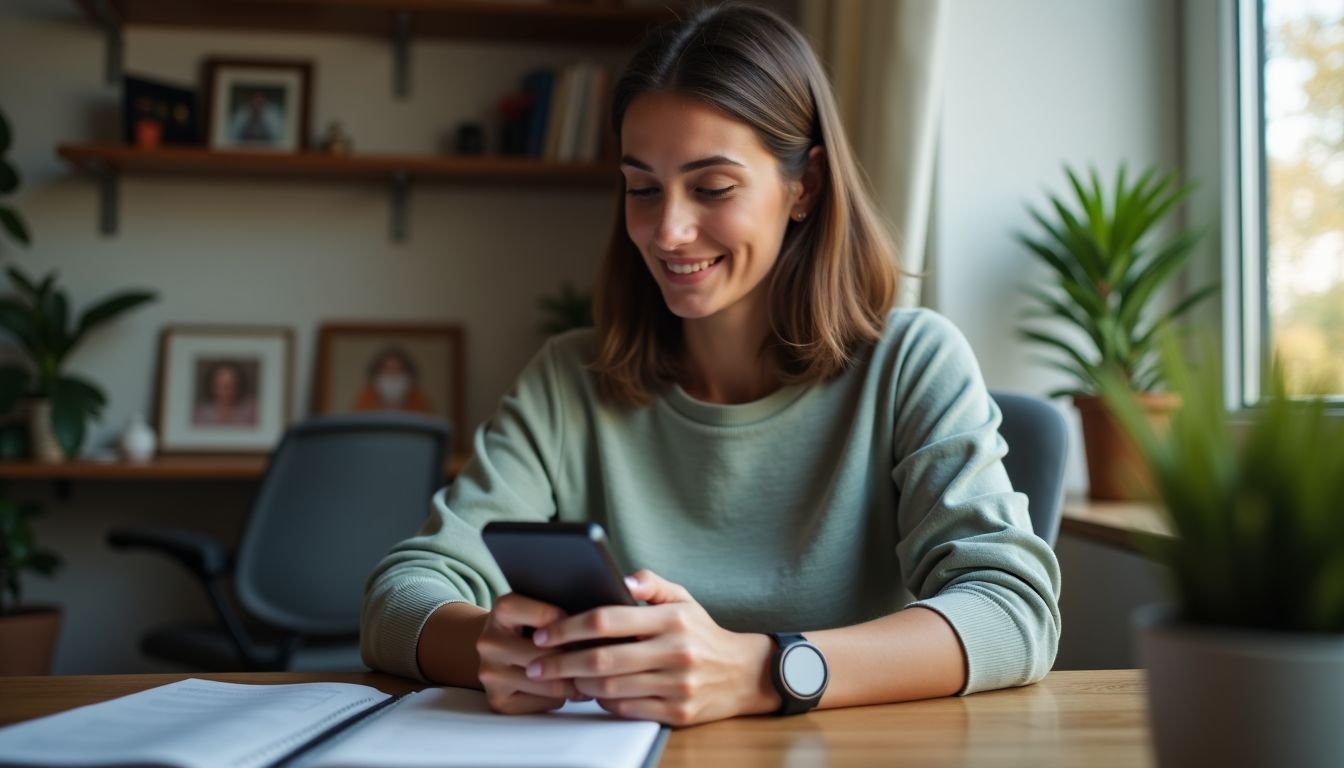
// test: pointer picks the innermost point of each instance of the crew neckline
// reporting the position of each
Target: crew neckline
(737, 414)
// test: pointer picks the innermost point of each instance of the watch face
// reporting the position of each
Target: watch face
(803, 670)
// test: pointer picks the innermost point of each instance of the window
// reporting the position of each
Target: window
(1291, 207)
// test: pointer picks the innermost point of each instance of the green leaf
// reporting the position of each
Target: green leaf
(9, 177)
(14, 225)
(109, 308)
(1065, 347)
(18, 320)
(14, 384)
(6, 136)
(82, 393)
(70, 412)
(24, 284)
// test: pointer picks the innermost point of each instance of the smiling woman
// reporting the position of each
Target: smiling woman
(771, 445)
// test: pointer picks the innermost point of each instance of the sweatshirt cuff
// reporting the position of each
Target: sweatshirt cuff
(391, 646)
(994, 645)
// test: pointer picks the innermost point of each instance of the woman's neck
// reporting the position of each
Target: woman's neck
(724, 357)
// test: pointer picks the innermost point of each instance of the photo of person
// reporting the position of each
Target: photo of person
(258, 104)
(412, 367)
(256, 114)
(392, 384)
(225, 392)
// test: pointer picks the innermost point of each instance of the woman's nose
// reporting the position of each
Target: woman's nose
(676, 226)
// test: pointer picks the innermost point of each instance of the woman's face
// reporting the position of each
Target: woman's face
(224, 385)
(705, 203)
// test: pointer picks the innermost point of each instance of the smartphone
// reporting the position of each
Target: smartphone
(565, 564)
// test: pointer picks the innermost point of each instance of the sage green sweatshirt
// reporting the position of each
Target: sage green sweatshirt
(813, 508)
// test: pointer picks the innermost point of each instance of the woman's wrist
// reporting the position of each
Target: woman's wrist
(759, 694)
(446, 650)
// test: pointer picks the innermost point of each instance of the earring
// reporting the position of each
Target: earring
(799, 216)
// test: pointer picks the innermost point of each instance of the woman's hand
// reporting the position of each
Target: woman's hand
(683, 669)
(505, 654)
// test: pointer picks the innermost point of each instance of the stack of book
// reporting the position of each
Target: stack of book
(567, 113)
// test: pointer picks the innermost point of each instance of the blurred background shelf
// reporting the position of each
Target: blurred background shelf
(163, 468)
(608, 23)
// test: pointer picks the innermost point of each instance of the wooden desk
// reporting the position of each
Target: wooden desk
(1091, 718)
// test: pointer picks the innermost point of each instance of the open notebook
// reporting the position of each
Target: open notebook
(204, 724)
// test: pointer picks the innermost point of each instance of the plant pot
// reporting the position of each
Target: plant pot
(28, 640)
(1115, 471)
(46, 448)
(1234, 697)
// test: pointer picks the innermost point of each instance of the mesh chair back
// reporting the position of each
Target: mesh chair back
(1038, 447)
(339, 492)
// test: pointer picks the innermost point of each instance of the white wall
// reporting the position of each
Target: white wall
(1031, 85)
(263, 252)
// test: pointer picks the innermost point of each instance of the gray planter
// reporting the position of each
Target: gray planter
(1231, 697)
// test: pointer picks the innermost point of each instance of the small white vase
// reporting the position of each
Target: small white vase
(138, 441)
(46, 448)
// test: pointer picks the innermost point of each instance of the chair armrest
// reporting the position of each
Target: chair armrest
(205, 556)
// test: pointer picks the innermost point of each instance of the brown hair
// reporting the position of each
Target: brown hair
(835, 279)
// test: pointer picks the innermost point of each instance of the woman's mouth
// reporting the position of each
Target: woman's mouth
(690, 271)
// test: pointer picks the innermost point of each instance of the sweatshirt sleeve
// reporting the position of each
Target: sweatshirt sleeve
(967, 548)
(514, 457)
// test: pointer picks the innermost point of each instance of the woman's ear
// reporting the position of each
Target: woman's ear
(814, 175)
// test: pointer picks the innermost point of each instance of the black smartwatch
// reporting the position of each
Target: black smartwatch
(798, 670)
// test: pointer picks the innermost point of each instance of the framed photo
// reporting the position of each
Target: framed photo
(224, 389)
(370, 367)
(258, 104)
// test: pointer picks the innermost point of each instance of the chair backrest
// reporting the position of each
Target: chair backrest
(1038, 447)
(338, 493)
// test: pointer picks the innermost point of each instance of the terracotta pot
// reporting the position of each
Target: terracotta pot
(1115, 471)
(1241, 698)
(46, 448)
(28, 640)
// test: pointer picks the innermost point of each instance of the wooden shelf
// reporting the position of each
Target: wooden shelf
(199, 161)
(607, 23)
(1129, 525)
(109, 162)
(163, 468)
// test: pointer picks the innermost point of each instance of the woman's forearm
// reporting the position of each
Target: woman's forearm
(447, 647)
(911, 654)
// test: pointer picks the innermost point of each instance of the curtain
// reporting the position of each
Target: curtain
(884, 58)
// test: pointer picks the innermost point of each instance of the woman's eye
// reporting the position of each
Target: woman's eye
(720, 192)
(641, 191)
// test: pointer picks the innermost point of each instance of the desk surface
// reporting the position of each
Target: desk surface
(1092, 718)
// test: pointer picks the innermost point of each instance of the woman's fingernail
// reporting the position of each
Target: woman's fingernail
(631, 582)
(534, 669)
(539, 637)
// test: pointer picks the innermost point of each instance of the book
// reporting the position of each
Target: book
(205, 724)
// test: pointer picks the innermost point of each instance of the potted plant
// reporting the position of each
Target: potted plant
(565, 310)
(10, 220)
(1107, 267)
(60, 404)
(1246, 667)
(27, 632)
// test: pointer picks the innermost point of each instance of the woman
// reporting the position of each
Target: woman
(776, 449)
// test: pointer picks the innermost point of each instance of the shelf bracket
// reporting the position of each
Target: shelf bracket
(107, 201)
(401, 54)
(113, 41)
(400, 185)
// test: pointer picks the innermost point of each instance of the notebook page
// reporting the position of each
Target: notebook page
(191, 723)
(455, 727)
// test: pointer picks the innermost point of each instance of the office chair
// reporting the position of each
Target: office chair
(338, 493)
(1038, 446)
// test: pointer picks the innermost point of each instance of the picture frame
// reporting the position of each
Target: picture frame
(224, 389)
(261, 105)
(416, 367)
